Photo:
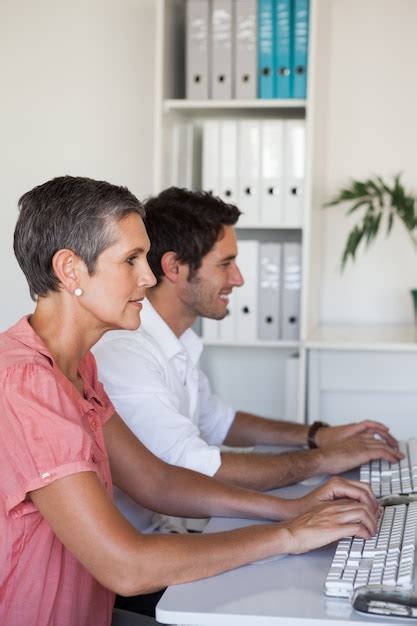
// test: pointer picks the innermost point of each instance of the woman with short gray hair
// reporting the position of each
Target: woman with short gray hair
(66, 549)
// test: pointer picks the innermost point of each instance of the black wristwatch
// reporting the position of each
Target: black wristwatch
(311, 434)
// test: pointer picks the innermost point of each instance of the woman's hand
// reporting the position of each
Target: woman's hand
(336, 489)
(329, 522)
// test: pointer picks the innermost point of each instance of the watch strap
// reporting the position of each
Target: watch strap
(311, 434)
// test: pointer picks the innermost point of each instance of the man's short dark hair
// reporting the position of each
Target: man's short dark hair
(185, 222)
(67, 212)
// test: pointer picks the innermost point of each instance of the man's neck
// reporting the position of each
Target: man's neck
(171, 309)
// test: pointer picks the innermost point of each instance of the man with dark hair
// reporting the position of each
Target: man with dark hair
(153, 377)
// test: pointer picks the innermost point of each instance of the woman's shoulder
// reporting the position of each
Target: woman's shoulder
(20, 348)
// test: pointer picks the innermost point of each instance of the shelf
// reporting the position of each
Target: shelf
(363, 338)
(253, 344)
(190, 105)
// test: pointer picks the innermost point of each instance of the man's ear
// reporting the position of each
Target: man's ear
(173, 269)
(67, 268)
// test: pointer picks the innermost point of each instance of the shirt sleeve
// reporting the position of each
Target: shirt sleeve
(135, 378)
(41, 434)
(215, 416)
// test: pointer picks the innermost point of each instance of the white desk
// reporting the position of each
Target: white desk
(285, 592)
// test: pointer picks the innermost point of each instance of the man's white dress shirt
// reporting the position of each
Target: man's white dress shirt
(156, 386)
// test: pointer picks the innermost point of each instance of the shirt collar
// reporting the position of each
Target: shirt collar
(23, 332)
(169, 343)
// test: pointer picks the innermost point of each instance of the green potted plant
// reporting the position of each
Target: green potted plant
(380, 204)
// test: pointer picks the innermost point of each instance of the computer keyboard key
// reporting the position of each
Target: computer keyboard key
(390, 478)
(387, 558)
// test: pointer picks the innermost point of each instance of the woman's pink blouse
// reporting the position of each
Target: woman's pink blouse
(47, 431)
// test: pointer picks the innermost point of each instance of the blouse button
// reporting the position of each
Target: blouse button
(46, 476)
(93, 458)
(93, 424)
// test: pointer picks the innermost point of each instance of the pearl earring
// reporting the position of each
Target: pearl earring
(78, 292)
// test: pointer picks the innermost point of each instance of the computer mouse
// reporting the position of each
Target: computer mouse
(397, 498)
(384, 601)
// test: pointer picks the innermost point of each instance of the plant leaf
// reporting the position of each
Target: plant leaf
(357, 205)
(377, 198)
(352, 243)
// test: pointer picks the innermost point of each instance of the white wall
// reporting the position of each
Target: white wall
(76, 98)
(370, 96)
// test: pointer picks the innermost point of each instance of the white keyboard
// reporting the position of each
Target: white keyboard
(385, 559)
(389, 478)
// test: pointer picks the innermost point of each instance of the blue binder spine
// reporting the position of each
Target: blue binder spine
(300, 48)
(283, 62)
(265, 48)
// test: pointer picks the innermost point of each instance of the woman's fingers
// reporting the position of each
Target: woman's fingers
(331, 522)
(341, 488)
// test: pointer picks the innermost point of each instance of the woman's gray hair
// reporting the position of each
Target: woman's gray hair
(67, 212)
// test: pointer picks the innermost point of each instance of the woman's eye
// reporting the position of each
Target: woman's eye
(131, 260)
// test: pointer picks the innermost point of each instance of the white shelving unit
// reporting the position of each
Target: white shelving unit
(238, 105)
(251, 375)
(364, 338)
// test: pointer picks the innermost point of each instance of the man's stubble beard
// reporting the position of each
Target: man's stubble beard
(195, 298)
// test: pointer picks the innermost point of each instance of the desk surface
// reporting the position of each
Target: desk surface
(288, 591)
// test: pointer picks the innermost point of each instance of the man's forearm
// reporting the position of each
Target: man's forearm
(269, 471)
(248, 430)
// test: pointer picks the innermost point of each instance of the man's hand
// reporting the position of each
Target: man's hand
(355, 451)
(337, 489)
(336, 434)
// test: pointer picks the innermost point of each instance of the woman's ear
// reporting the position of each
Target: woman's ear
(66, 266)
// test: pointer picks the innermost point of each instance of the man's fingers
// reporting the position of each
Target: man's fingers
(380, 429)
(374, 428)
(390, 440)
(366, 449)
(380, 450)
(375, 447)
